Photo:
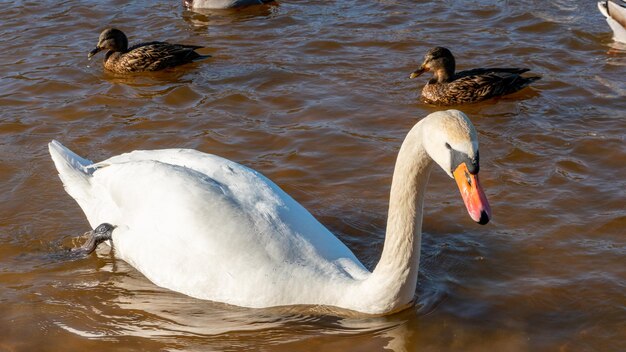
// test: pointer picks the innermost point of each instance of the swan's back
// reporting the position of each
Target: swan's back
(211, 228)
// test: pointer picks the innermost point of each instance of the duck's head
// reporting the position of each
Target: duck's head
(96, 236)
(439, 61)
(451, 141)
(110, 39)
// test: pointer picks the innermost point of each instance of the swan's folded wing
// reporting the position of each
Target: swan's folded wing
(258, 194)
(214, 211)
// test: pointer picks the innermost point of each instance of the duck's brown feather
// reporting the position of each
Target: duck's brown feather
(482, 71)
(151, 56)
(475, 85)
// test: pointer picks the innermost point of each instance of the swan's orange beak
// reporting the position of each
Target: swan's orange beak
(473, 195)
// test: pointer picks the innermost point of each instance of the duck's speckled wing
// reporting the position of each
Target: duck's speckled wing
(483, 71)
(476, 85)
(155, 56)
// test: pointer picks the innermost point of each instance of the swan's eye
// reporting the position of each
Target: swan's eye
(448, 146)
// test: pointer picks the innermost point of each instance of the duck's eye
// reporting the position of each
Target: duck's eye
(448, 146)
(102, 228)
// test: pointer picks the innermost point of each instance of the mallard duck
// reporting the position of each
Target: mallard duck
(447, 87)
(615, 13)
(152, 56)
(214, 229)
(221, 4)
(98, 235)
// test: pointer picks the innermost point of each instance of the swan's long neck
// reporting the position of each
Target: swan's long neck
(392, 284)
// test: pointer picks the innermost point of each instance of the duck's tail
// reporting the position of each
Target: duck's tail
(529, 80)
(201, 57)
(192, 55)
(198, 56)
(73, 171)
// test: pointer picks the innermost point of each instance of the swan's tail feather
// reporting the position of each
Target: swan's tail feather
(72, 170)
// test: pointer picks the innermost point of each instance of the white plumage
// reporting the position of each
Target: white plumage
(222, 4)
(210, 228)
(615, 13)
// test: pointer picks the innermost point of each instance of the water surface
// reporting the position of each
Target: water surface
(316, 96)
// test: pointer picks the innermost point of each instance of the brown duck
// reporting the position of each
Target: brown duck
(152, 56)
(450, 88)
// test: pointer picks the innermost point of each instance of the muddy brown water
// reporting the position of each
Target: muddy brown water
(315, 95)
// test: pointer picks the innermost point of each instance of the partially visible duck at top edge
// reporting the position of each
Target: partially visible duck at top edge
(222, 4)
(151, 56)
(615, 13)
(450, 88)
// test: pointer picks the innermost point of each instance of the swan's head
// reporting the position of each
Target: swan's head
(451, 141)
(110, 39)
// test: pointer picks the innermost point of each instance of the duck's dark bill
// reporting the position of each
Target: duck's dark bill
(418, 72)
(473, 195)
(93, 52)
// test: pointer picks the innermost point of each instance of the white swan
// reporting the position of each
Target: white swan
(221, 4)
(213, 229)
(615, 13)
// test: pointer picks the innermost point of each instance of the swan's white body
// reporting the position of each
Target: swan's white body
(213, 229)
(221, 4)
(616, 18)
